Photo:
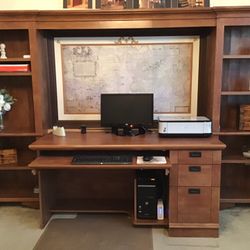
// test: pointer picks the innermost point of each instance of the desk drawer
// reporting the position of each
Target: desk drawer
(195, 175)
(195, 157)
(194, 204)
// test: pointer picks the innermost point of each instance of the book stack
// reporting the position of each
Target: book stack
(142, 4)
(193, 3)
(244, 123)
(199, 3)
(8, 156)
(183, 3)
(135, 4)
(14, 68)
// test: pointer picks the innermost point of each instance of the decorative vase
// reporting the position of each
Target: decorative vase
(1, 121)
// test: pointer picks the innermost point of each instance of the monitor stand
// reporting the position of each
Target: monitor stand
(128, 130)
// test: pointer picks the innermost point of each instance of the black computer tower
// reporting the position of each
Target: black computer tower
(148, 191)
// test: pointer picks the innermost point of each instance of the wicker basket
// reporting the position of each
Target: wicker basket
(8, 156)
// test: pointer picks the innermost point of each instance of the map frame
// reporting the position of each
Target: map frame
(64, 112)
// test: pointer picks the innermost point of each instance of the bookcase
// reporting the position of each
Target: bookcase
(23, 123)
(234, 92)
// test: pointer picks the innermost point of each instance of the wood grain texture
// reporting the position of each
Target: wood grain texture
(187, 177)
(64, 162)
(108, 141)
(193, 232)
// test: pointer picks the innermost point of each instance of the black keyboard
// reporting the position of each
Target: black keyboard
(101, 159)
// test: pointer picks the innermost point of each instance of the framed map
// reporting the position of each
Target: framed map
(164, 66)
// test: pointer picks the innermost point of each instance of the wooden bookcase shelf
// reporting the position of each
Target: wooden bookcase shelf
(236, 39)
(230, 111)
(237, 57)
(235, 195)
(17, 182)
(18, 134)
(20, 144)
(237, 159)
(235, 180)
(20, 87)
(17, 185)
(235, 93)
(236, 145)
(22, 199)
(15, 74)
(16, 42)
(14, 167)
(231, 132)
(15, 60)
(235, 74)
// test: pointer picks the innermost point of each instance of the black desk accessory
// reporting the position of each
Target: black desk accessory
(147, 157)
(83, 129)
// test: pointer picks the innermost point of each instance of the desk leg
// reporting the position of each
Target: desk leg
(45, 196)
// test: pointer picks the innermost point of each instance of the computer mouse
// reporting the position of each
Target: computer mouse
(147, 157)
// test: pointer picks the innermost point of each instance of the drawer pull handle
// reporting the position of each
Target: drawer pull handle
(194, 191)
(195, 154)
(194, 169)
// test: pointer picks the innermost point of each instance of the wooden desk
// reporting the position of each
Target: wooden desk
(194, 178)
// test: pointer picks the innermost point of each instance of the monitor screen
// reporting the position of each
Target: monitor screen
(118, 110)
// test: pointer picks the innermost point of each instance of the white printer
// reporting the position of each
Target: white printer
(182, 126)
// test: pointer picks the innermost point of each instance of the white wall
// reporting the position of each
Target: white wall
(31, 4)
(229, 2)
(58, 4)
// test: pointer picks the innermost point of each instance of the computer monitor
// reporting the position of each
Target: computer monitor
(127, 111)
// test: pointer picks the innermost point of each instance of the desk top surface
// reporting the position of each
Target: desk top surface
(108, 141)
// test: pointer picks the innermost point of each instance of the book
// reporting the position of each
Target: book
(183, 3)
(244, 118)
(14, 68)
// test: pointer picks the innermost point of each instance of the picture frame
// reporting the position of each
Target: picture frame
(100, 4)
(87, 67)
(133, 4)
(83, 4)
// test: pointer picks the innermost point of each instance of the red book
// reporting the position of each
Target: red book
(14, 68)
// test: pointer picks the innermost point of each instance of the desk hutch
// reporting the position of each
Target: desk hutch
(223, 86)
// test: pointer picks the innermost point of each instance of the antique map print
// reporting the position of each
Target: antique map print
(159, 66)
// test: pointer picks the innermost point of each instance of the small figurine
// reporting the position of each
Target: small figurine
(2, 51)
